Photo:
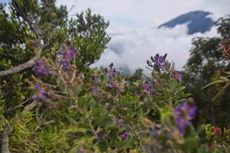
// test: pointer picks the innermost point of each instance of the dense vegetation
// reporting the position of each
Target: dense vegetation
(52, 101)
(207, 63)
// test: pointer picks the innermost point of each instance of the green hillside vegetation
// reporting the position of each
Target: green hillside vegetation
(52, 101)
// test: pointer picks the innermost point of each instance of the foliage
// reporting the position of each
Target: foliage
(62, 105)
(206, 63)
(89, 35)
(101, 111)
(27, 23)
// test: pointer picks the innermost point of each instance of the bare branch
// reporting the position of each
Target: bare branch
(26, 18)
(23, 66)
(20, 67)
(5, 139)
(32, 61)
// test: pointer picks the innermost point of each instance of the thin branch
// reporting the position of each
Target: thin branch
(213, 83)
(18, 106)
(25, 65)
(18, 9)
(20, 67)
(40, 47)
(5, 140)
(32, 61)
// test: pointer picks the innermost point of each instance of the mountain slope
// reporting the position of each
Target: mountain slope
(197, 21)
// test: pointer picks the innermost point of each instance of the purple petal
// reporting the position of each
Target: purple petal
(124, 135)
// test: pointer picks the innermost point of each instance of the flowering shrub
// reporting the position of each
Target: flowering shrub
(41, 68)
(217, 137)
(184, 113)
(158, 62)
(102, 111)
(75, 108)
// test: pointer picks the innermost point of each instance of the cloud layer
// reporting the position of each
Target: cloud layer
(134, 32)
(131, 48)
(138, 13)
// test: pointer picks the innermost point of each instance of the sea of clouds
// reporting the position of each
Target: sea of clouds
(129, 49)
(134, 28)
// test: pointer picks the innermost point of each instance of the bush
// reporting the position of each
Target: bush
(101, 111)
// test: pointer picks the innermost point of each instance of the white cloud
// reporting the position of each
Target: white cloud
(133, 27)
(137, 46)
(145, 12)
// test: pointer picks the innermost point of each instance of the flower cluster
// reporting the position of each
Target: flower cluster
(216, 130)
(41, 68)
(158, 62)
(40, 92)
(177, 75)
(111, 74)
(124, 135)
(93, 89)
(147, 87)
(110, 85)
(184, 113)
(67, 56)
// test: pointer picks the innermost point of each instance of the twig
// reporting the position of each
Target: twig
(32, 61)
(5, 140)
(20, 67)
(25, 65)
(18, 106)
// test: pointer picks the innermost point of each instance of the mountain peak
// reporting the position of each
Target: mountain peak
(197, 21)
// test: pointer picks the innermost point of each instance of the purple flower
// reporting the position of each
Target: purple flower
(153, 132)
(183, 114)
(110, 85)
(41, 68)
(65, 65)
(93, 89)
(158, 61)
(124, 135)
(67, 56)
(147, 87)
(111, 65)
(120, 123)
(40, 92)
(177, 75)
(111, 72)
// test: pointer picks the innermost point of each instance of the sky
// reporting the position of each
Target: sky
(139, 13)
(134, 33)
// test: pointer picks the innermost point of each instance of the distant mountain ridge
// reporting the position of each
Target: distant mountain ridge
(197, 21)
